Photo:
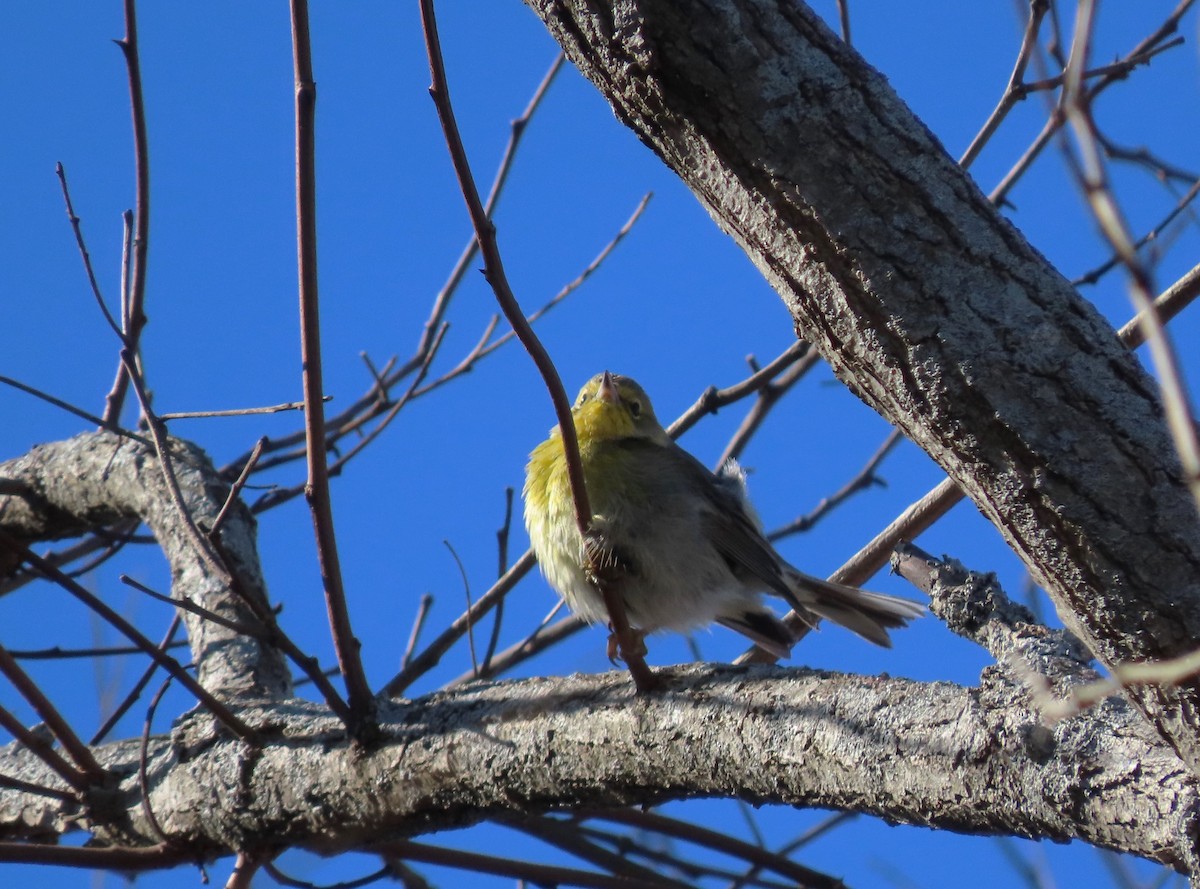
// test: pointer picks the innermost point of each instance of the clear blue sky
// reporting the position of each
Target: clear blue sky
(677, 306)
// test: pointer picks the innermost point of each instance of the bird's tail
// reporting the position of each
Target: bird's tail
(870, 615)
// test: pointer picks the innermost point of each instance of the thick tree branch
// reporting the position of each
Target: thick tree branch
(925, 301)
(972, 760)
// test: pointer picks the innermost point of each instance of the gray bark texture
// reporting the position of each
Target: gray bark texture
(974, 760)
(925, 301)
(930, 306)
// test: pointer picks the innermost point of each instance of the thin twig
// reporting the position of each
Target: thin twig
(769, 395)
(76, 227)
(713, 399)
(432, 654)
(254, 631)
(71, 409)
(79, 752)
(414, 634)
(43, 750)
(135, 315)
(538, 641)
(235, 489)
(361, 701)
(143, 756)
(467, 590)
(1014, 91)
(1094, 275)
(222, 713)
(485, 233)
(237, 412)
(865, 478)
(716, 841)
(140, 685)
(471, 250)
(37, 789)
(540, 874)
(1091, 175)
(502, 561)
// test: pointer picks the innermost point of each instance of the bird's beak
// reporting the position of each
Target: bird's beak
(608, 390)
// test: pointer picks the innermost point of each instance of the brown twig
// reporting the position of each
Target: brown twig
(713, 399)
(718, 842)
(111, 858)
(71, 409)
(361, 701)
(134, 314)
(79, 752)
(865, 478)
(44, 751)
(540, 874)
(143, 757)
(235, 489)
(471, 250)
(388, 870)
(254, 631)
(769, 395)
(237, 412)
(37, 789)
(537, 641)
(76, 227)
(1015, 91)
(502, 562)
(418, 624)
(1094, 275)
(1057, 118)
(1091, 175)
(432, 654)
(222, 713)
(485, 232)
(138, 687)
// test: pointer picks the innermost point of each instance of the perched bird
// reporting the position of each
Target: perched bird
(685, 543)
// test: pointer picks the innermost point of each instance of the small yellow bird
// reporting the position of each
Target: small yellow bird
(687, 544)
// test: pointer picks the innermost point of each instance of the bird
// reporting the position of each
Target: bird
(684, 544)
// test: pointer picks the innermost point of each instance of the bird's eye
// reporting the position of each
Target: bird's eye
(635, 408)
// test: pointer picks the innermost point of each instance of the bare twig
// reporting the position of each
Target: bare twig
(502, 561)
(254, 631)
(222, 713)
(71, 409)
(1093, 179)
(485, 233)
(76, 227)
(540, 874)
(1015, 91)
(237, 412)
(44, 750)
(713, 399)
(717, 841)
(134, 314)
(143, 757)
(361, 701)
(537, 641)
(432, 654)
(235, 489)
(865, 478)
(139, 686)
(418, 624)
(79, 752)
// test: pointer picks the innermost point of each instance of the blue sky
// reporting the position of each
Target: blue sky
(676, 305)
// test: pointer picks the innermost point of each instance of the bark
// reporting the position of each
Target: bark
(924, 301)
(99, 479)
(936, 754)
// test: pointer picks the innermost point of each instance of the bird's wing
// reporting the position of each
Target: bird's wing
(728, 521)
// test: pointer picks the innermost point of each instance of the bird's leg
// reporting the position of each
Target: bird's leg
(606, 571)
